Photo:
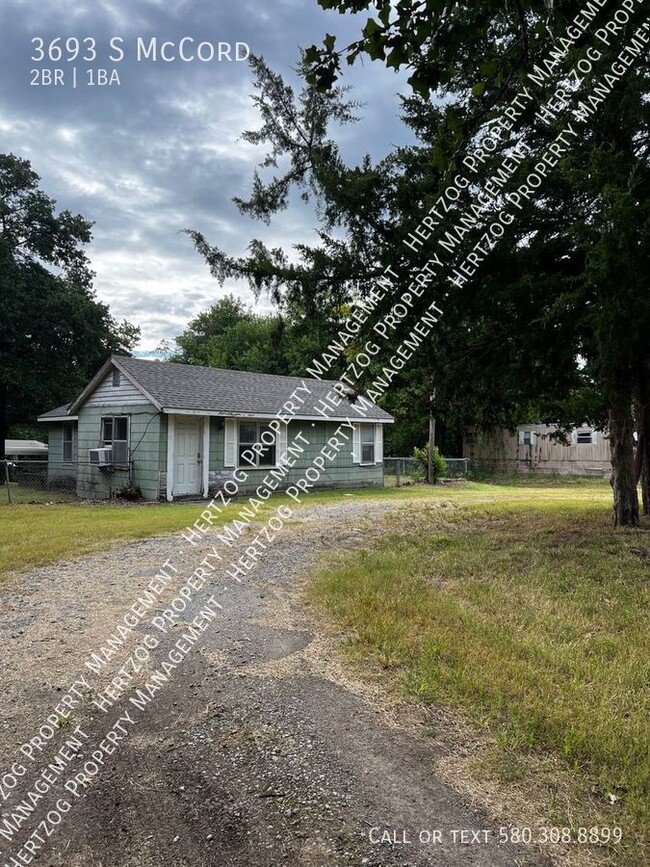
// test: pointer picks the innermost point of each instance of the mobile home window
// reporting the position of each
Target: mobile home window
(68, 443)
(367, 444)
(115, 433)
(251, 432)
(584, 437)
(528, 438)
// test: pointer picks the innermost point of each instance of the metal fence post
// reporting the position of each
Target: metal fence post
(397, 469)
(7, 483)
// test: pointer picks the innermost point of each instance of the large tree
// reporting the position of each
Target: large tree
(477, 57)
(551, 325)
(53, 332)
(371, 207)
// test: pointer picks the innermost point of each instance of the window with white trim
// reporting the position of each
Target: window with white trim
(249, 453)
(367, 444)
(68, 442)
(584, 437)
(115, 433)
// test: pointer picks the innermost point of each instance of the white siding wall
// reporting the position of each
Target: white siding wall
(125, 394)
(504, 451)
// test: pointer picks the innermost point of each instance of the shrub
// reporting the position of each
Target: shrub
(128, 492)
(439, 463)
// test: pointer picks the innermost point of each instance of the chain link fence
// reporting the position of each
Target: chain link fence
(457, 468)
(31, 481)
(407, 471)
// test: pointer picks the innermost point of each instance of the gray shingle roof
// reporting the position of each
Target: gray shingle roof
(231, 392)
(59, 412)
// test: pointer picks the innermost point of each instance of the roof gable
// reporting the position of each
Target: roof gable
(98, 379)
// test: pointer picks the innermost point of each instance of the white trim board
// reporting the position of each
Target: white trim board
(167, 410)
(205, 456)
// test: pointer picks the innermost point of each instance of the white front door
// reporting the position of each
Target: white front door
(187, 455)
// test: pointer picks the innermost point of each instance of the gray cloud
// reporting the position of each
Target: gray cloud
(159, 152)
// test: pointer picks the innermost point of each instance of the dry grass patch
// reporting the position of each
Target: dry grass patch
(528, 614)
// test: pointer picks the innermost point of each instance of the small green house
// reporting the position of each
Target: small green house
(176, 430)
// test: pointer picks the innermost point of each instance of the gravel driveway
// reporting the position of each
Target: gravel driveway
(259, 750)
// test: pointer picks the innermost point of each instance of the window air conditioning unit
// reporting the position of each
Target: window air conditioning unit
(101, 457)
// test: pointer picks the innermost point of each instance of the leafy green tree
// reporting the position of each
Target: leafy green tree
(478, 56)
(373, 207)
(551, 326)
(53, 332)
(432, 39)
(230, 336)
(313, 289)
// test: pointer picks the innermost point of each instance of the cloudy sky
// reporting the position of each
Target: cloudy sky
(158, 151)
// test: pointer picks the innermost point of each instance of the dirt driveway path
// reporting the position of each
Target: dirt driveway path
(258, 751)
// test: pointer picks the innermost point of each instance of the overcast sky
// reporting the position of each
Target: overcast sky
(159, 151)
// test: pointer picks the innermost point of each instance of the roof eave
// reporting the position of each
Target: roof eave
(76, 403)
(172, 410)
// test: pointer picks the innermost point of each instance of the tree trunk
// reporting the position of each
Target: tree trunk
(623, 481)
(642, 417)
(642, 461)
(645, 481)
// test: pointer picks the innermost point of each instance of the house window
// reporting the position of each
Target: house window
(68, 442)
(251, 433)
(115, 433)
(584, 437)
(367, 444)
(527, 437)
(117, 379)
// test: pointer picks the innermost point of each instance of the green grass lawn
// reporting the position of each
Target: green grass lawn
(38, 534)
(21, 496)
(35, 531)
(520, 607)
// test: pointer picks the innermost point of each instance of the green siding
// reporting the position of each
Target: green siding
(56, 468)
(148, 444)
(144, 443)
(55, 442)
(217, 435)
(339, 473)
(162, 445)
